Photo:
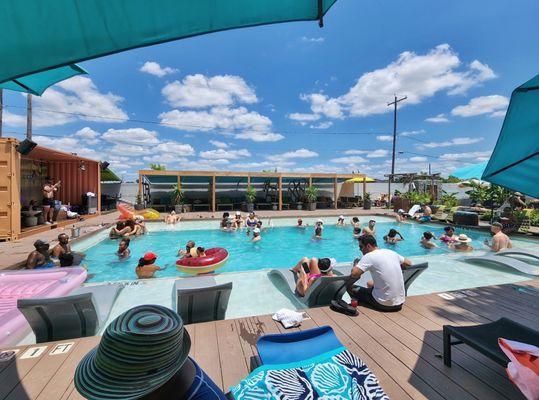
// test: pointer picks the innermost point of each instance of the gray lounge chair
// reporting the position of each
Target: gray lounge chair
(409, 274)
(484, 338)
(320, 293)
(200, 299)
(80, 314)
(519, 252)
(506, 262)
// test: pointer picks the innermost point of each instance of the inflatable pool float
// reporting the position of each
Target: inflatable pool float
(215, 258)
(128, 212)
(27, 284)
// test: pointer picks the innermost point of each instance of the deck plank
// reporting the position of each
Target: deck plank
(234, 366)
(206, 351)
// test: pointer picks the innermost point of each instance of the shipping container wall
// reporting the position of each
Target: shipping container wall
(75, 182)
(10, 207)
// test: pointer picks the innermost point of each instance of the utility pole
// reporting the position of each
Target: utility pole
(393, 103)
(29, 116)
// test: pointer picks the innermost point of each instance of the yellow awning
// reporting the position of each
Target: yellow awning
(360, 180)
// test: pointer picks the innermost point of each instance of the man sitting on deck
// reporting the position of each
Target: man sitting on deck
(500, 240)
(386, 290)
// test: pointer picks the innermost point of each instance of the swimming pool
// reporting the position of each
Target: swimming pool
(282, 246)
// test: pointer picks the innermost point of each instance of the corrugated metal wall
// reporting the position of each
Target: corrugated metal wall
(75, 182)
(10, 206)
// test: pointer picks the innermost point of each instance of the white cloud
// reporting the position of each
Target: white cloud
(355, 152)
(312, 39)
(199, 91)
(459, 141)
(138, 136)
(225, 154)
(300, 153)
(180, 149)
(349, 160)
(11, 119)
(88, 135)
(378, 153)
(322, 104)
(473, 155)
(494, 105)
(418, 159)
(153, 68)
(384, 138)
(438, 119)
(412, 133)
(68, 101)
(303, 118)
(414, 75)
(259, 136)
(219, 144)
(322, 125)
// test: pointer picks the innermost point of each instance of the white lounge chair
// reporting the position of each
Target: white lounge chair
(506, 262)
(415, 208)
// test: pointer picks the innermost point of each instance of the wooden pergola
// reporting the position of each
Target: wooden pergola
(213, 175)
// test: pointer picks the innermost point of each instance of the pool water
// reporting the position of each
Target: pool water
(282, 246)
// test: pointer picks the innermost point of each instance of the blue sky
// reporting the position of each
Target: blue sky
(280, 96)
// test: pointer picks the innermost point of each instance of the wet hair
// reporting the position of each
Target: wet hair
(142, 262)
(324, 265)
(225, 215)
(120, 225)
(497, 224)
(318, 231)
(392, 233)
(365, 240)
(355, 219)
(126, 240)
(448, 228)
(200, 249)
(62, 234)
(428, 235)
(130, 223)
(190, 243)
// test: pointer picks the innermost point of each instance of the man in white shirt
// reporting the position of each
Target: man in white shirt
(386, 290)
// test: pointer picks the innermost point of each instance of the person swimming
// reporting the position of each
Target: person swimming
(224, 220)
(120, 230)
(426, 240)
(256, 235)
(370, 229)
(391, 237)
(201, 251)
(449, 235)
(461, 244)
(300, 224)
(340, 220)
(251, 220)
(318, 233)
(190, 250)
(238, 221)
(123, 248)
(172, 218)
(40, 257)
(146, 267)
(357, 227)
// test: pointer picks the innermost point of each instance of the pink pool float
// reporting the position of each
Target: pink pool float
(25, 284)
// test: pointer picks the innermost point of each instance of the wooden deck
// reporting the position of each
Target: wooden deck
(402, 349)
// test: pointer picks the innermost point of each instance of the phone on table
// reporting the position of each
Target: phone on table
(306, 267)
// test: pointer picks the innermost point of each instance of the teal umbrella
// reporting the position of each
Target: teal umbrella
(40, 35)
(37, 83)
(474, 171)
(514, 163)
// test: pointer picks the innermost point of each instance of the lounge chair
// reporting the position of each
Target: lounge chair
(484, 338)
(519, 252)
(505, 261)
(80, 314)
(201, 299)
(410, 274)
(295, 346)
(415, 208)
(319, 294)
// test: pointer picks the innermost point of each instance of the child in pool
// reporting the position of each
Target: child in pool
(123, 248)
(391, 237)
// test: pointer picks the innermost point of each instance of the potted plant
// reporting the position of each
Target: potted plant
(311, 193)
(367, 201)
(177, 198)
(250, 196)
(138, 203)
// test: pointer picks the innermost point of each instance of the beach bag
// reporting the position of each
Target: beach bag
(343, 307)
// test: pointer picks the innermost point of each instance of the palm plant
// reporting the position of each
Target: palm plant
(176, 195)
(311, 193)
(250, 194)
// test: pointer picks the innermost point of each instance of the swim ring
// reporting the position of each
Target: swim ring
(128, 212)
(215, 258)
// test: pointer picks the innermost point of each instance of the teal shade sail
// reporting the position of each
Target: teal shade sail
(39, 35)
(514, 163)
(37, 83)
(474, 171)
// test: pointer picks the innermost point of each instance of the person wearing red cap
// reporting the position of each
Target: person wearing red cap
(146, 266)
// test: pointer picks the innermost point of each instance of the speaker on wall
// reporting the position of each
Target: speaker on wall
(26, 146)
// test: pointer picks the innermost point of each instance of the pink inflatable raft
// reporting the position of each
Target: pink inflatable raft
(24, 284)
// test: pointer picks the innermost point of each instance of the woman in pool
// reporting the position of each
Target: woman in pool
(391, 237)
(224, 220)
(146, 266)
(251, 220)
(135, 229)
(120, 230)
(123, 248)
(426, 240)
(190, 250)
(340, 220)
(449, 235)
(201, 251)
(310, 270)
(317, 233)
(357, 227)
(256, 235)
(172, 218)
(238, 221)
(461, 244)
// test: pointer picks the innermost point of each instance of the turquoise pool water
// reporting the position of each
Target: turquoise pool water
(281, 247)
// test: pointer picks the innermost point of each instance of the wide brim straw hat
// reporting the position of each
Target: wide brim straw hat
(462, 238)
(139, 352)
